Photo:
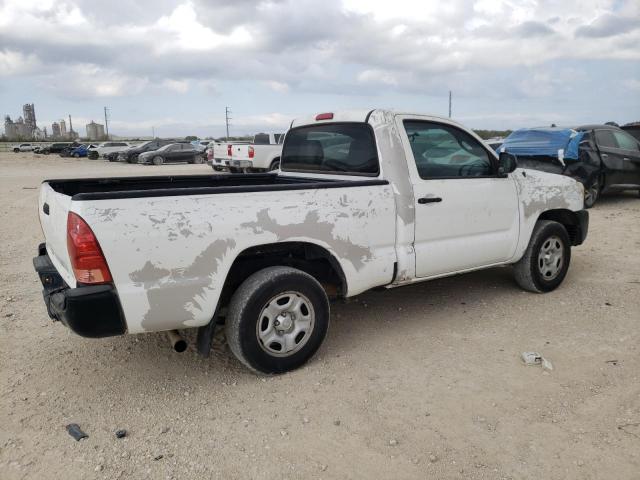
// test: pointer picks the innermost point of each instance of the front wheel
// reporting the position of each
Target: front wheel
(157, 160)
(546, 260)
(277, 319)
(16, 150)
(198, 159)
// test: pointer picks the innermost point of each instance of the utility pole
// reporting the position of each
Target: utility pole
(449, 103)
(153, 132)
(70, 128)
(106, 121)
(227, 111)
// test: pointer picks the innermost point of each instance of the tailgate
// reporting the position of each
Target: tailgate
(53, 208)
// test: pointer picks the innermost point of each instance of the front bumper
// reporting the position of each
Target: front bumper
(582, 227)
(89, 310)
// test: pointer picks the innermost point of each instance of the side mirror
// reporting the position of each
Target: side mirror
(507, 163)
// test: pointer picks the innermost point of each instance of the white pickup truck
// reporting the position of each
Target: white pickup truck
(261, 155)
(361, 200)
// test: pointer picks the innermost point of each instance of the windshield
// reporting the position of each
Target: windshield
(339, 148)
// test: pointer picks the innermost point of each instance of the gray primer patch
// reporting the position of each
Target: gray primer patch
(172, 294)
(311, 226)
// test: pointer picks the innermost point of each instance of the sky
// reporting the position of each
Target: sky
(174, 65)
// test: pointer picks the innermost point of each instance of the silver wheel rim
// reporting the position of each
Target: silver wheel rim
(551, 257)
(591, 193)
(285, 324)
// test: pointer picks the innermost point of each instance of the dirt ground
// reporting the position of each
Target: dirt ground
(421, 382)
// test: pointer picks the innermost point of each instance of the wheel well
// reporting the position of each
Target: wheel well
(312, 259)
(568, 219)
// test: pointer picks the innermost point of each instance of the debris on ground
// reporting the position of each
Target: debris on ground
(75, 431)
(121, 433)
(158, 457)
(534, 358)
(612, 362)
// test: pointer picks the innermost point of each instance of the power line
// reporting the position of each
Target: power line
(449, 103)
(106, 121)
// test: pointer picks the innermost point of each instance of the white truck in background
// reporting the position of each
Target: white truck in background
(361, 200)
(261, 155)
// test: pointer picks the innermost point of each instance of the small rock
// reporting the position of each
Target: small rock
(121, 433)
(323, 468)
(283, 433)
(336, 423)
(393, 442)
(158, 457)
(75, 431)
(8, 315)
(99, 468)
(580, 463)
(305, 420)
(433, 458)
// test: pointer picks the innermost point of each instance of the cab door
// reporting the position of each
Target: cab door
(466, 215)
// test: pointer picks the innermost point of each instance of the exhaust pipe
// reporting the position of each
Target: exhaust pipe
(178, 343)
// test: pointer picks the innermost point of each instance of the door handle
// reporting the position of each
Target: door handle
(604, 155)
(424, 200)
(626, 159)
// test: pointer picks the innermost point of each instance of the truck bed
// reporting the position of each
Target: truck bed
(163, 186)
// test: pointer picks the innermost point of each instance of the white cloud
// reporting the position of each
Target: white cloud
(178, 86)
(276, 86)
(17, 63)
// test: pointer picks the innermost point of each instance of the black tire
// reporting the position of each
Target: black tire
(235, 170)
(16, 150)
(198, 160)
(247, 305)
(275, 165)
(592, 192)
(531, 272)
(217, 168)
(157, 160)
(76, 155)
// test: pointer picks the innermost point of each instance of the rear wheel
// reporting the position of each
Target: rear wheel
(591, 193)
(76, 155)
(546, 260)
(157, 160)
(277, 319)
(198, 159)
(275, 165)
(16, 150)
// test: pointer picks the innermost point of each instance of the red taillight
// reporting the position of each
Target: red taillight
(251, 152)
(229, 150)
(87, 259)
(324, 116)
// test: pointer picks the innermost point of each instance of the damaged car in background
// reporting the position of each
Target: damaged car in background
(604, 158)
(361, 200)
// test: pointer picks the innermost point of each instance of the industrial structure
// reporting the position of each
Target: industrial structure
(95, 131)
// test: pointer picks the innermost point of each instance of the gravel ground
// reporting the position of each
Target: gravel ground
(423, 381)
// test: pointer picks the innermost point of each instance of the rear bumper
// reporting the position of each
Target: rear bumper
(90, 311)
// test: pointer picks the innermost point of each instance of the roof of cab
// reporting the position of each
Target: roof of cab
(360, 116)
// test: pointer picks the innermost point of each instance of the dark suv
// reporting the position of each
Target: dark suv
(601, 157)
(55, 148)
(131, 155)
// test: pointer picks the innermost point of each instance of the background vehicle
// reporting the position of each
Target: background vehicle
(263, 154)
(362, 200)
(174, 152)
(130, 155)
(80, 151)
(66, 151)
(98, 151)
(602, 157)
(632, 129)
(55, 148)
(23, 147)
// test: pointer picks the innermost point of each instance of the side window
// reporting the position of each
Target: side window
(443, 151)
(626, 141)
(605, 138)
